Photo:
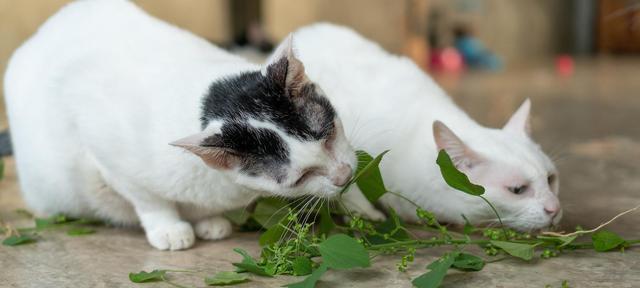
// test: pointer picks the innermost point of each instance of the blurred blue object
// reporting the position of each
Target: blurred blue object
(475, 55)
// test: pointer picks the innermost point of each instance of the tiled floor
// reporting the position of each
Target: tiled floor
(589, 122)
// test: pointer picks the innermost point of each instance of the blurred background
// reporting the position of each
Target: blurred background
(576, 59)
(440, 35)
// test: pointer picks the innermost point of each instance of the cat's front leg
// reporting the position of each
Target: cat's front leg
(163, 226)
(213, 228)
(357, 204)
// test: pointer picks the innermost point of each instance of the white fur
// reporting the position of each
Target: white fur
(95, 98)
(387, 102)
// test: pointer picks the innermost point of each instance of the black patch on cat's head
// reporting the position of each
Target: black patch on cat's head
(260, 150)
(291, 103)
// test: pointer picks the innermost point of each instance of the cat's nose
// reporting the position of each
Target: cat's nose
(342, 175)
(552, 209)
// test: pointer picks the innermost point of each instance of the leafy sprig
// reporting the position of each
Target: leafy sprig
(314, 240)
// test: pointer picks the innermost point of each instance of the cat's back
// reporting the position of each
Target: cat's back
(352, 68)
(100, 72)
(96, 55)
(111, 27)
(98, 36)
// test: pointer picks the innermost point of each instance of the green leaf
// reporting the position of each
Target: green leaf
(437, 271)
(143, 276)
(455, 178)
(343, 252)
(604, 240)
(468, 228)
(468, 262)
(302, 266)
(19, 240)
(55, 220)
(237, 216)
(519, 250)
(392, 227)
(226, 278)
(311, 280)
(368, 176)
(249, 264)
(326, 224)
(79, 231)
(561, 241)
(273, 234)
(270, 211)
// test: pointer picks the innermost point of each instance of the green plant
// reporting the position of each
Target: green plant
(308, 242)
(28, 235)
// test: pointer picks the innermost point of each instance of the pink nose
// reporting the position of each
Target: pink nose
(342, 175)
(552, 209)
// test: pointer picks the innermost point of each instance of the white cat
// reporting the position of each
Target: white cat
(387, 102)
(97, 95)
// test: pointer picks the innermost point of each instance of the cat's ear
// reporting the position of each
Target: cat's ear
(461, 155)
(519, 122)
(285, 69)
(210, 149)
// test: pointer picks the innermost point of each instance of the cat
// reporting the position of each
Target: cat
(387, 102)
(97, 94)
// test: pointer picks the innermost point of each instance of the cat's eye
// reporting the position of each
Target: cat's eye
(518, 189)
(305, 175)
(551, 179)
(328, 143)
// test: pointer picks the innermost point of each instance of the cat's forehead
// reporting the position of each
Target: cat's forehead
(519, 153)
(308, 115)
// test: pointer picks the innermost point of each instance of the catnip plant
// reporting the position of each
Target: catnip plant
(306, 237)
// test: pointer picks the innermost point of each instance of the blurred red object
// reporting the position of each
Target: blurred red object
(446, 60)
(564, 65)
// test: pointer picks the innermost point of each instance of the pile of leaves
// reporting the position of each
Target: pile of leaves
(312, 240)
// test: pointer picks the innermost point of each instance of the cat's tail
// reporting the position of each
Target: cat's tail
(5, 144)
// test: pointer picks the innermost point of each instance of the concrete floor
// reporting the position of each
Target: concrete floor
(588, 122)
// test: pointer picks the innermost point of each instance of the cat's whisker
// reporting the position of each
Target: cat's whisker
(313, 226)
(313, 211)
(302, 201)
(288, 231)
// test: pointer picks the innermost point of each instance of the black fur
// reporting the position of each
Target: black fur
(308, 116)
(261, 150)
(296, 108)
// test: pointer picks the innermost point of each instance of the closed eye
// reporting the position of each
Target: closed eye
(328, 142)
(518, 189)
(551, 179)
(305, 175)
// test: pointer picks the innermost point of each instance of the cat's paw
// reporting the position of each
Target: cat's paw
(213, 228)
(369, 214)
(175, 236)
(373, 215)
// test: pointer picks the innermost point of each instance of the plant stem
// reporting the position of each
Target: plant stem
(426, 243)
(504, 230)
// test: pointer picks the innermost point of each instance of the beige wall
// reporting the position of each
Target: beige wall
(518, 31)
(384, 21)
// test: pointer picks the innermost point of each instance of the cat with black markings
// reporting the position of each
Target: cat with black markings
(97, 94)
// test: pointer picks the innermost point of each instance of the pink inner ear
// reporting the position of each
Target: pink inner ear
(214, 157)
(191, 141)
(460, 153)
(219, 159)
(519, 122)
